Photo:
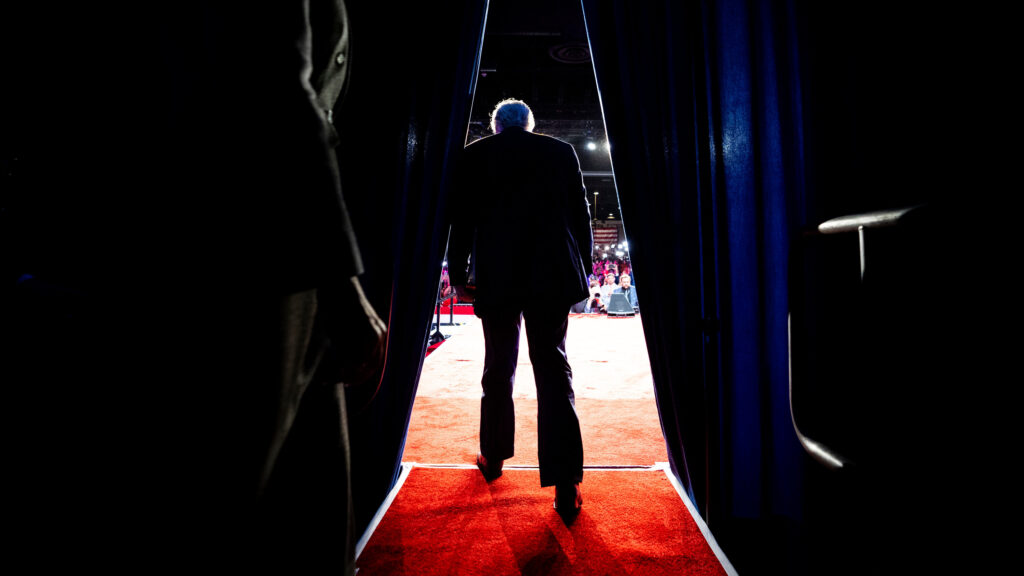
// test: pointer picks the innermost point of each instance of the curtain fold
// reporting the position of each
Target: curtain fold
(702, 109)
(403, 119)
(648, 63)
(736, 127)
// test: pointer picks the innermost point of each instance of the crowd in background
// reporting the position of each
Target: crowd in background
(609, 275)
(609, 266)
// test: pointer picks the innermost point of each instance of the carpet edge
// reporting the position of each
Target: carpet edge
(383, 509)
(698, 520)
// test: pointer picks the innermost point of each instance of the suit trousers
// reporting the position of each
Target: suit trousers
(560, 444)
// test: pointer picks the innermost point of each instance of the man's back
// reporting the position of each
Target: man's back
(520, 195)
(525, 194)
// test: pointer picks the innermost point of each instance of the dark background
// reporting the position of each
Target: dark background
(538, 52)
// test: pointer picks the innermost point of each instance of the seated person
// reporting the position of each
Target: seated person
(595, 304)
(625, 288)
(609, 286)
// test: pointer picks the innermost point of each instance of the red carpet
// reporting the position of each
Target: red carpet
(611, 378)
(449, 521)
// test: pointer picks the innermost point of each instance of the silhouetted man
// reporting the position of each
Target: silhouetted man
(178, 257)
(519, 196)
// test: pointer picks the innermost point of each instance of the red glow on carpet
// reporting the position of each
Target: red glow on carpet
(450, 521)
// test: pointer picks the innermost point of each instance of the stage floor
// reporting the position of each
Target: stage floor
(611, 378)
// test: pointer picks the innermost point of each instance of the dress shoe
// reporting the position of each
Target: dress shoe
(568, 498)
(490, 469)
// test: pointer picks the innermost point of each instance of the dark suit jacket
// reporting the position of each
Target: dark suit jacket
(173, 183)
(521, 196)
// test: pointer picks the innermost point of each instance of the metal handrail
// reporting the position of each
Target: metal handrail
(852, 223)
(860, 222)
(823, 454)
(879, 219)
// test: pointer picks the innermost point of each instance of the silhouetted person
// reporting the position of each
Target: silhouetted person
(512, 181)
(181, 265)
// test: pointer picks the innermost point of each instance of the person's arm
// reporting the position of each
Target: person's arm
(356, 332)
(358, 336)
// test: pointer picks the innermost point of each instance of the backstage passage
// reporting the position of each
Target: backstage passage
(442, 517)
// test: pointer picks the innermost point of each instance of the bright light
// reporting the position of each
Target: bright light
(445, 263)
(620, 253)
(604, 255)
(607, 145)
(591, 146)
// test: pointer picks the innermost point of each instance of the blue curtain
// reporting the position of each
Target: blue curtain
(402, 120)
(736, 127)
(699, 106)
(645, 71)
(702, 104)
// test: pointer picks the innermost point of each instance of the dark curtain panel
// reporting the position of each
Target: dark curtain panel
(702, 104)
(704, 123)
(650, 75)
(403, 118)
(736, 127)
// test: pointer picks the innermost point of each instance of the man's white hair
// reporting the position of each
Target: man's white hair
(512, 112)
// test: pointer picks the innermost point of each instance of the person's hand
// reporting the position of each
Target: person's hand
(464, 293)
(362, 344)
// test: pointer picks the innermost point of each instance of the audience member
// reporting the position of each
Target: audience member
(606, 289)
(594, 303)
(446, 291)
(629, 291)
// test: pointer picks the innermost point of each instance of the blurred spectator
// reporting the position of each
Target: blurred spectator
(627, 289)
(594, 301)
(446, 286)
(607, 287)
